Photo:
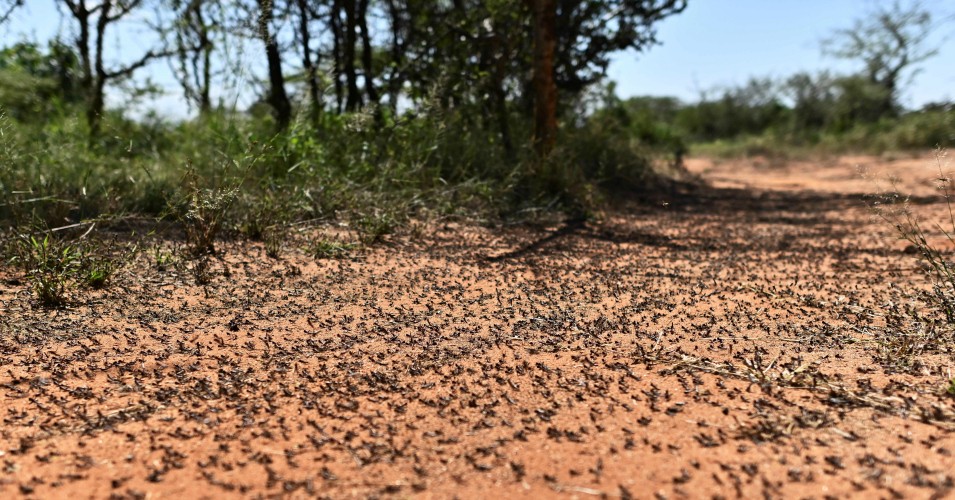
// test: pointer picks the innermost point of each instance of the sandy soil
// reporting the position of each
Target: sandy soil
(733, 340)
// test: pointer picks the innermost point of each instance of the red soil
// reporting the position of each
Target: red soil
(733, 340)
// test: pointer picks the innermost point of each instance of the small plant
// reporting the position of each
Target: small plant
(99, 263)
(202, 270)
(273, 239)
(97, 272)
(909, 332)
(910, 229)
(373, 227)
(950, 390)
(331, 249)
(203, 213)
(162, 259)
(204, 217)
(51, 267)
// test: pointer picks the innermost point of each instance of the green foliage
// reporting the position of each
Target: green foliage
(205, 213)
(55, 266)
(37, 83)
(325, 248)
(51, 265)
(889, 41)
(747, 109)
(372, 227)
(226, 173)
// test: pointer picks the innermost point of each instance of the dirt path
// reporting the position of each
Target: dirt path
(738, 341)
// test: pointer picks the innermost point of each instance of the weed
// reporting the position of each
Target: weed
(910, 332)
(97, 270)
(950, 390)
(51, 266)
(326, 248)
(100, 261)
(273, 240)
(162, 259)
(204, 217)
(202, 270)
(910, 229)
(372, 227)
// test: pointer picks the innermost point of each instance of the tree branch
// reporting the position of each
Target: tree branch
(128, 70)
(13, 6)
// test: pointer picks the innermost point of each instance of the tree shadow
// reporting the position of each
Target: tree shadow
(804, 210)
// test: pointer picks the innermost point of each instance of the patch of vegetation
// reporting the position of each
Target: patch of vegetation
(326, 248)
(909, 228)
(909, 332)
(56, 266)
(51, 266)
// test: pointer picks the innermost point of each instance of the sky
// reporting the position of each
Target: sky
(712, 44)
(723, 42)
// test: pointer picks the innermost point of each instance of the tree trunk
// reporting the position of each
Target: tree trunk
(310, 70)
(94, 110)
(335, 22)
(498, 57)
(82, 15)
(366, 54)
(396, 77)
(354, 100)
(83, 44)
(277, 96)
(205, 45)
(545, 87)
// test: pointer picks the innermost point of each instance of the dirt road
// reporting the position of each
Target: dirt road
(750, 338)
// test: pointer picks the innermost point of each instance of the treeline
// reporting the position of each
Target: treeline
(861, 111)
(492, 59)
(803, 110)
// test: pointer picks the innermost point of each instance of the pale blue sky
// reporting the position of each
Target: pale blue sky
(723, 42)
(713, 43)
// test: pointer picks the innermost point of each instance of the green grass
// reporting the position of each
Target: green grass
(232, 174)
(57, 267)
(918, 131)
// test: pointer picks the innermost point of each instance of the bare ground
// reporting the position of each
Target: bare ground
(746, 338)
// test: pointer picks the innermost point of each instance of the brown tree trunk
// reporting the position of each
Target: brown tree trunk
(277, 96)
(82, 14)
(83, 44)
(94, 110)
(498, 57)
(354, 100)
(545, 87)
(366, 54)
(396, 77)
(335, 22)
(205, 45)
(310, 70)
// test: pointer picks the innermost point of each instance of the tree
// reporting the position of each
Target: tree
(194, 29)
(545, 87)
(95, 75)
(7, 7)
(573, 40)
(305, 15)
(36, 83)
(278, 98)
(813, 98)
(890, 41)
